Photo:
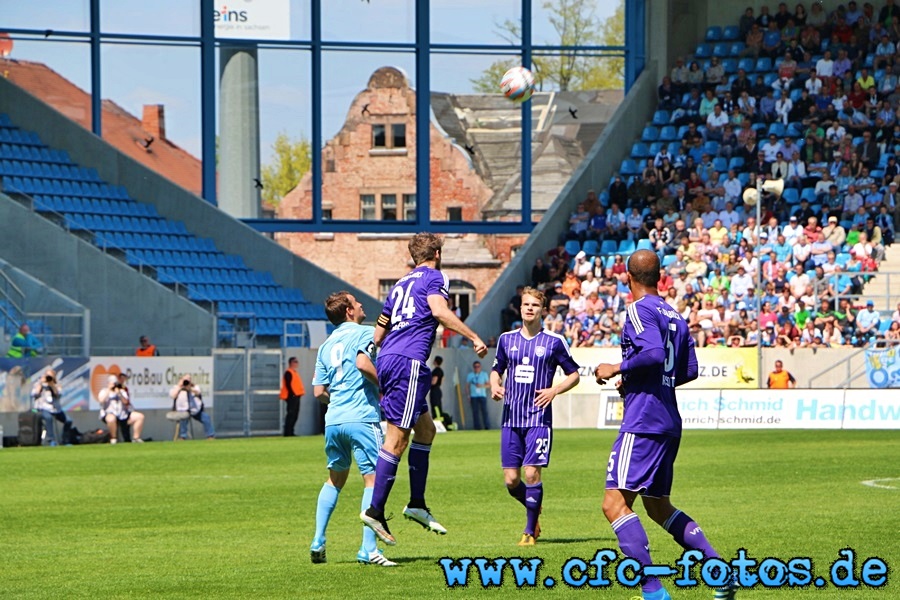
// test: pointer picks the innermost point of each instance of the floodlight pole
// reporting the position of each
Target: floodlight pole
(759, 328)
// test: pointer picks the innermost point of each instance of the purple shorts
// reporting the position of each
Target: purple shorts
(525, 446)
(642, 463)
(404, 386)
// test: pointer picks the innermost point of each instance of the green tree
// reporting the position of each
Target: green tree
(290, 163)
(609, 73)
(575, 24)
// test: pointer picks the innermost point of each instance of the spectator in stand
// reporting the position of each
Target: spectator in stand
(578, 224)
(741, 284)
(792, 231)
(512, 312)
(582, 266)
(540, 275)
(867, 322)
(615, 224)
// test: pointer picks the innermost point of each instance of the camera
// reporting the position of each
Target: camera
(186, 383)
(117, 385)
(49, 379)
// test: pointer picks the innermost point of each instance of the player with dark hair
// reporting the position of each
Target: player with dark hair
(658, 355)
(345, 379)
(528, 357)
(405, 332)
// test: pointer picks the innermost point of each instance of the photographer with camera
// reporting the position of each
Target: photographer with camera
(117, 411)
(46, 394)
(186, 398)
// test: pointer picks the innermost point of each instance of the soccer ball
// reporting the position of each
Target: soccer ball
(517, 84)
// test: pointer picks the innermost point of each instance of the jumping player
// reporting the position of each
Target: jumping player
(405, 333)
(658, 355)
(529, 357)
(345, 379)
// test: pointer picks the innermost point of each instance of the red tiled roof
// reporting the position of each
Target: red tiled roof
(120, 128)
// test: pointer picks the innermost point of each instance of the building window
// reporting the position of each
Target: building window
(329, 165)
(384, 288)
(389, 207)
(378, 137)
(398, 135)
(454, 213)
(367, 207)
(326, 215)
(409, 207)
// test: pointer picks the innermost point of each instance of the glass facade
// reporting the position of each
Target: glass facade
(338, 81)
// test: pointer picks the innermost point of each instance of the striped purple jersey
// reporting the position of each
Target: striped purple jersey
(657, 355)
(529, 365)
(412, 329)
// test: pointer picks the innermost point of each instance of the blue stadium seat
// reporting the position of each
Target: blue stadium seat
(668, 259)
(661, 117)
(629, 168)
(573, 247)
(713, 33)
(730, 64)
(747, 64)
(720, 164)
(721, 50)
(639, 150)
(731, 32)
(703, 51)
(591, 247)
(808, 194)
(650, 134)
(790, 196)
(778, 130)
(668, 134)
(763, 65)
(736, 163)
(626, 247)
(644, 244)
(608, 247)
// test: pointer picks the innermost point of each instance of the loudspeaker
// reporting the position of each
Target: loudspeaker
(772, 186)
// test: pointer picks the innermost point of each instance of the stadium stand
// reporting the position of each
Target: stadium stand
(83, 203)
(805, 106)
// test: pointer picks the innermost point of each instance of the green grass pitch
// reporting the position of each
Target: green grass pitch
(234, 518)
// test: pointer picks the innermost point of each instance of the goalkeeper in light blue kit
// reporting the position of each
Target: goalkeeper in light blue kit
(657, 356)
(345, 379)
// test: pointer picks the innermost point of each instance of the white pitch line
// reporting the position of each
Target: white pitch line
(875, 483)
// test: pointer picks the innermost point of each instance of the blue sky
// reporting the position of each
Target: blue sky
(134, 75)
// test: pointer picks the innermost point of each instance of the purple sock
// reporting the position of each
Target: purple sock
(385, 474)
(518, 493)
(418, 473)
(534, 497)
(688, 534)
(634, 543)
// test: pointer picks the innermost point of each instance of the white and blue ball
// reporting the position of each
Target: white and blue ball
(517, 84)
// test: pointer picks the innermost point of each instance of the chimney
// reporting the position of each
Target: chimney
(154, 121)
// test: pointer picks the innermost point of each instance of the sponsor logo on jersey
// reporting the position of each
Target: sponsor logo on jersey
(539, 351)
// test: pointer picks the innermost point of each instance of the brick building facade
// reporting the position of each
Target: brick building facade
(369, 173)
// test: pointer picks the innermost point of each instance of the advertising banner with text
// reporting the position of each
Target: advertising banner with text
(151, 378)
(19, 375)
(720, 368)
(769, 409)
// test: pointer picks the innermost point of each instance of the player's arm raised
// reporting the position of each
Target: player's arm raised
(446, 317)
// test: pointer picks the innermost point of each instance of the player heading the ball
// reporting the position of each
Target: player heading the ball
(405, 333)
(657, 356)
(528, 357)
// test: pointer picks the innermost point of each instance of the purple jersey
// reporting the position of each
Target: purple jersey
(529, 365)
(657, 355)
(412, 328)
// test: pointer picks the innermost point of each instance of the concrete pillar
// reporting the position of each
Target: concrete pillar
(239, 132)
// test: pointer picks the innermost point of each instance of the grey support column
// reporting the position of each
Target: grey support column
(239, 132)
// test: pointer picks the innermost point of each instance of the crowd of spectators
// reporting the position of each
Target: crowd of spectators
(825, 120)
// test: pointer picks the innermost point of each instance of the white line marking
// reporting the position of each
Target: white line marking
(875, 483)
